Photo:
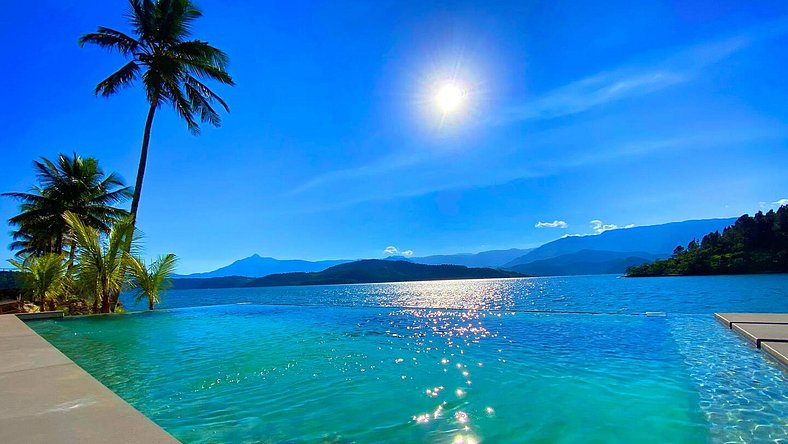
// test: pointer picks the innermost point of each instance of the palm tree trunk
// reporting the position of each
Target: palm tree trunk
(105, 302)
(150, 304)
(135, 201)
(95, 305)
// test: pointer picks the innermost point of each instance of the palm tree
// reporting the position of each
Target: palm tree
(72, 184)
(101, 263)
(152, 281)
(45, 276)
(171, 65)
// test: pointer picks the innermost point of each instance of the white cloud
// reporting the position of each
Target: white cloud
(553, 224)
(773, 205)
(391, 250)
(600, 227)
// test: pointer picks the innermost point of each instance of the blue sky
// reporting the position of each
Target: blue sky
(617, 112)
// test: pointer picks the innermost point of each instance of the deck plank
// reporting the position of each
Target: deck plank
(778, 350)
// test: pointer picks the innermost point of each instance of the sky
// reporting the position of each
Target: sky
(578, 116)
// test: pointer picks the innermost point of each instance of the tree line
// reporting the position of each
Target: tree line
(757, 244)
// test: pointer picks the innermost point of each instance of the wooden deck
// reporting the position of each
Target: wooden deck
(767, 331)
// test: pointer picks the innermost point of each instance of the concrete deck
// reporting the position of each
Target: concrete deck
(751, 318)
(45, 397)
(767, 331)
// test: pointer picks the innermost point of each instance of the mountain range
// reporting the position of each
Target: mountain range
(611, 251)
(258, 266)
(357, 272)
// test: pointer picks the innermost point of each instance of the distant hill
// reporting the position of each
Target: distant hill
(586, 262)
(257, 266)
(10, 279)
(491, 259)
(658, 240)
(756, 244)
(378, 270)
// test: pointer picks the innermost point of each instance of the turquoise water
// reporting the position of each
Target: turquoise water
(464, 362)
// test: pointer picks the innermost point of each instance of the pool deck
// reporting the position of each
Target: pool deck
(45, 397)
(767, 331)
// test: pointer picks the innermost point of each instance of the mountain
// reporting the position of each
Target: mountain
(257, 266)
(654, 239)
(586, 262)
(490, 259)
(379, 270)
(756, 244)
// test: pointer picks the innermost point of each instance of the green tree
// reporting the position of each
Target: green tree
(171, 65)
(101, 263)
(153, 280)
(74, 184)
(44, 276)
(757, 244)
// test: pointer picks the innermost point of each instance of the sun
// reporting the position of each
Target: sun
(450, 97)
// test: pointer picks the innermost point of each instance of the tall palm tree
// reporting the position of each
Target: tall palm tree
(72, 184)
(45, 276)
(101, 264)
(153, 280)
(171, 65)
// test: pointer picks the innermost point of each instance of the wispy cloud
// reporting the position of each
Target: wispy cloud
(407, 253)
(600, 227)
(553, 224)
(417, 171)
(634, 80)
(774, 205)
(591, 92)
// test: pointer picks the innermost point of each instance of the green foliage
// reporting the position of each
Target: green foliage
(44, 277)
(756, 244)
(101, 263)
(73, 184)
(153, 280)
(172, 66)
(10, 280)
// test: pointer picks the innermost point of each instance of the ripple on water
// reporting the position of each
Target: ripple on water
(251, 373)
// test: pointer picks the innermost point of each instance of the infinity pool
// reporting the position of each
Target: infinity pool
(326, 373)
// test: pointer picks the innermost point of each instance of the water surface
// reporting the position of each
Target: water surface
(461, 361)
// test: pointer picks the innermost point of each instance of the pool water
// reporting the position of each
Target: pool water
(473, 366)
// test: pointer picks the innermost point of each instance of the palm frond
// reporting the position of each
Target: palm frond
(118, 80)
(111, 39)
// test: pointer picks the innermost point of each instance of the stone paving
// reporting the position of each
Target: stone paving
(46, 398)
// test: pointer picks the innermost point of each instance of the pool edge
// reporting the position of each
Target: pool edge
(49, 398)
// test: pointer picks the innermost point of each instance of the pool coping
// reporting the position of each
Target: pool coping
(766, 331)
(49, 398)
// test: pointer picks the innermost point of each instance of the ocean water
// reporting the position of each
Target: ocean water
(449, 361)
